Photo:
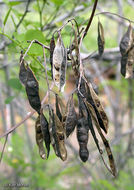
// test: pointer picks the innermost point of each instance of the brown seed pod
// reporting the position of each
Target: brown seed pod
(63, 70)
(62, 108)
(58, 112)
(45, 132)
(127, 40)
(60, 136)
(57, 135)
(52, 132)
(127, 64)
(93, 99)
(82, 136)
(32, 90)
(23, 70)
(130, 64)
(39, 138)
(59, 64)
(105, 141)
(71, 119)
(124, 60)
(52, 46)
(101, 40)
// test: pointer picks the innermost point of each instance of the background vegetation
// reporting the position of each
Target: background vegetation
(23, 20)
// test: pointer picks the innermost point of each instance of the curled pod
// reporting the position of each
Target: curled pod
(52, 46)
(127, 40)
(32, 90)
(45, 132)
(82, 137)
(101, 40)
(23, 70)
(71, 119)
(39, 138)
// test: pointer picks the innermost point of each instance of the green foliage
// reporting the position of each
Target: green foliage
(9, 99)
(15, 83)
(123, 181)
(7, 15)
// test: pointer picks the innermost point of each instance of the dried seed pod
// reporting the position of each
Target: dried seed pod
(59, 64)
(39, 138)
(57, 135)
(126, 41)
(52, 132)
(32, 90)
(93, 99)
(127, 64)
(82, 136)
(23, 70)
(105, 141)
(62, 108)
(90, 124)
(45, 132)
(52, 46)
(71, 119)
(101, 40)
(63, 70)
(58, 112)
(124, 60)
(60, 136)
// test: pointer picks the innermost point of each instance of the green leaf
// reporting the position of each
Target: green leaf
(9, 99)
(7, 15)
(58, 2)
(15, 83)
(14, 3)
(38, 35)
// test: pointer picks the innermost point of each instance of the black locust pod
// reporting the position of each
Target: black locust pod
(127, 41)
(52, 46)
(60, 133)
(45, 132)
(57, 135)
(58, 112)
(82, 136)
(127, 51)
(71, 119)
(62, 108)
(63, 70)
(93, 99)
(101, 40)
(32, 90)
(105, 141)
(127, 64)
(39, 138)
(52, 132)
(59, 64)
(23, 70)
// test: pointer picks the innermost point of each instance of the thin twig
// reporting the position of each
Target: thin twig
(124, 18)
(3, 148)
(22, 18)
(91, 18)
(39, 43)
